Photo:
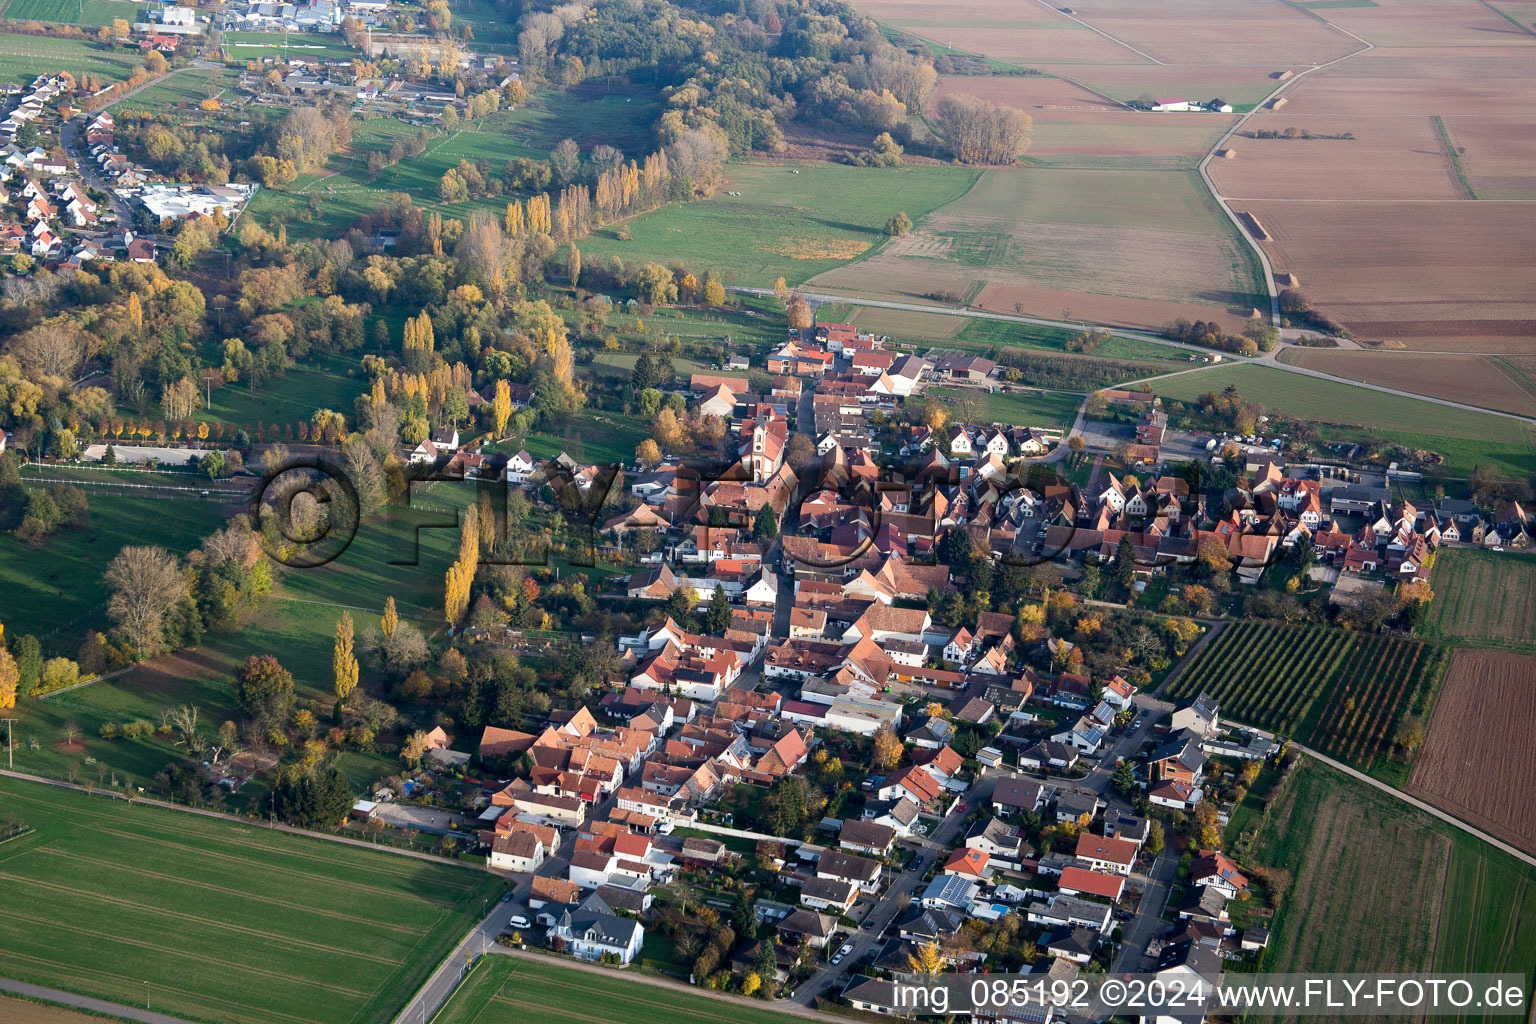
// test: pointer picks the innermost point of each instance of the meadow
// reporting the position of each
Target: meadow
(86, 13)
(23, 58)
(1024, 408)
(324, 382)
(256, 45)
(56, 591)
(592, 114)
(1380, 886)
(501, 988)
(1348, 413)
(186, 86)
(1485, 597)
(790, 220)
(215, 920)
(1339, 691)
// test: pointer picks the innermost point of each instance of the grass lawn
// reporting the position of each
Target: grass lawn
(501, 988)
(1466, 439)
(1448, 902)
(1022, 408)
(87, 13)
(56, 591)
(791, 220)
(589, 435)
(23, 58)
(225, 922)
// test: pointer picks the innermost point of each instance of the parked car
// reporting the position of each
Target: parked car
(847, 948)
(520, 921)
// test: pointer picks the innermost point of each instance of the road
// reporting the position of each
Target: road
(891, 903)
(482, 937)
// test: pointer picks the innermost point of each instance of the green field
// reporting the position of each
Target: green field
(56, 592)
(86, 13)
(225, 922)
(590, 114)
(1021, 408)
(1487, 597)
(23, 58)
(791, 220)
(1466, 439)
(500, 988)
(187, 85)
(256, 45)
(1339, 691)
(325, 382)
(1380, 886)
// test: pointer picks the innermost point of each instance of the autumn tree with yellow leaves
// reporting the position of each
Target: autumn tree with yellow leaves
(343, 658)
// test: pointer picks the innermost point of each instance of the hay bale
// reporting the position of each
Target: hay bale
(1281, 76)
(1254, 226)
(1287, 280)
(1278, 102)
(1227, 154)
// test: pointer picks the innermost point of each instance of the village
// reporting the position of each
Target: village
(851, 772)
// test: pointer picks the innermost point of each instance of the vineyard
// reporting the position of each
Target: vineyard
(1338, 691)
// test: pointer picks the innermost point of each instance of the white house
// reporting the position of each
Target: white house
(591, 929)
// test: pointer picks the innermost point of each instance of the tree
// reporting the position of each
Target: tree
(978, 131)
(799, 312)
(751, 983)
(565, 161)
(1154, 843)
(717, 617)
(414, 748)
(781, 292)
(1125, 563)
(766, 526)
(926, 960)
(1124, 779)
(391, 619)
(679, 604)
(146, 582)
(648, 454)
(264, 689)
(501, 407)
(1206, 827)
(314, 799)
(10, 679)
(888, 749)
(1410, 733)
(343, 661)
(899, 225)
(714, 292)
(1076, 443)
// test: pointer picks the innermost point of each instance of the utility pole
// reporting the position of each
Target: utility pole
(10, 748)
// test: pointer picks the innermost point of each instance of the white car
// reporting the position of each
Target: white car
(847, 948)
(520, 921)
(837, 959)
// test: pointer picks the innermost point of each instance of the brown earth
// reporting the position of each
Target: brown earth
(1101, 309)
(1498, 153)
(1329, 166)
(1479, 759)
(1473, 379)
(20, 1011)
(1416, 273)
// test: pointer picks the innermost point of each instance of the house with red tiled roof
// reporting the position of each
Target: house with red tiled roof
(1214, 868)
(1106, 853)
(1076, 881)
(969, 863)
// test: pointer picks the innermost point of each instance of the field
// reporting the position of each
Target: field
(256, 45)
(1087, 233)
(86, 13)
(1025, 408)
(226, 923)
(1380, 886)
(1466, 439)
(791, 220)
(325, 382)
(1485, 381)
(19, 1011)
(1478, 759)
(1432, 275)
(189, 86)
(500, 988)
(23, 58)
(1485, 596)
(1340, 691)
